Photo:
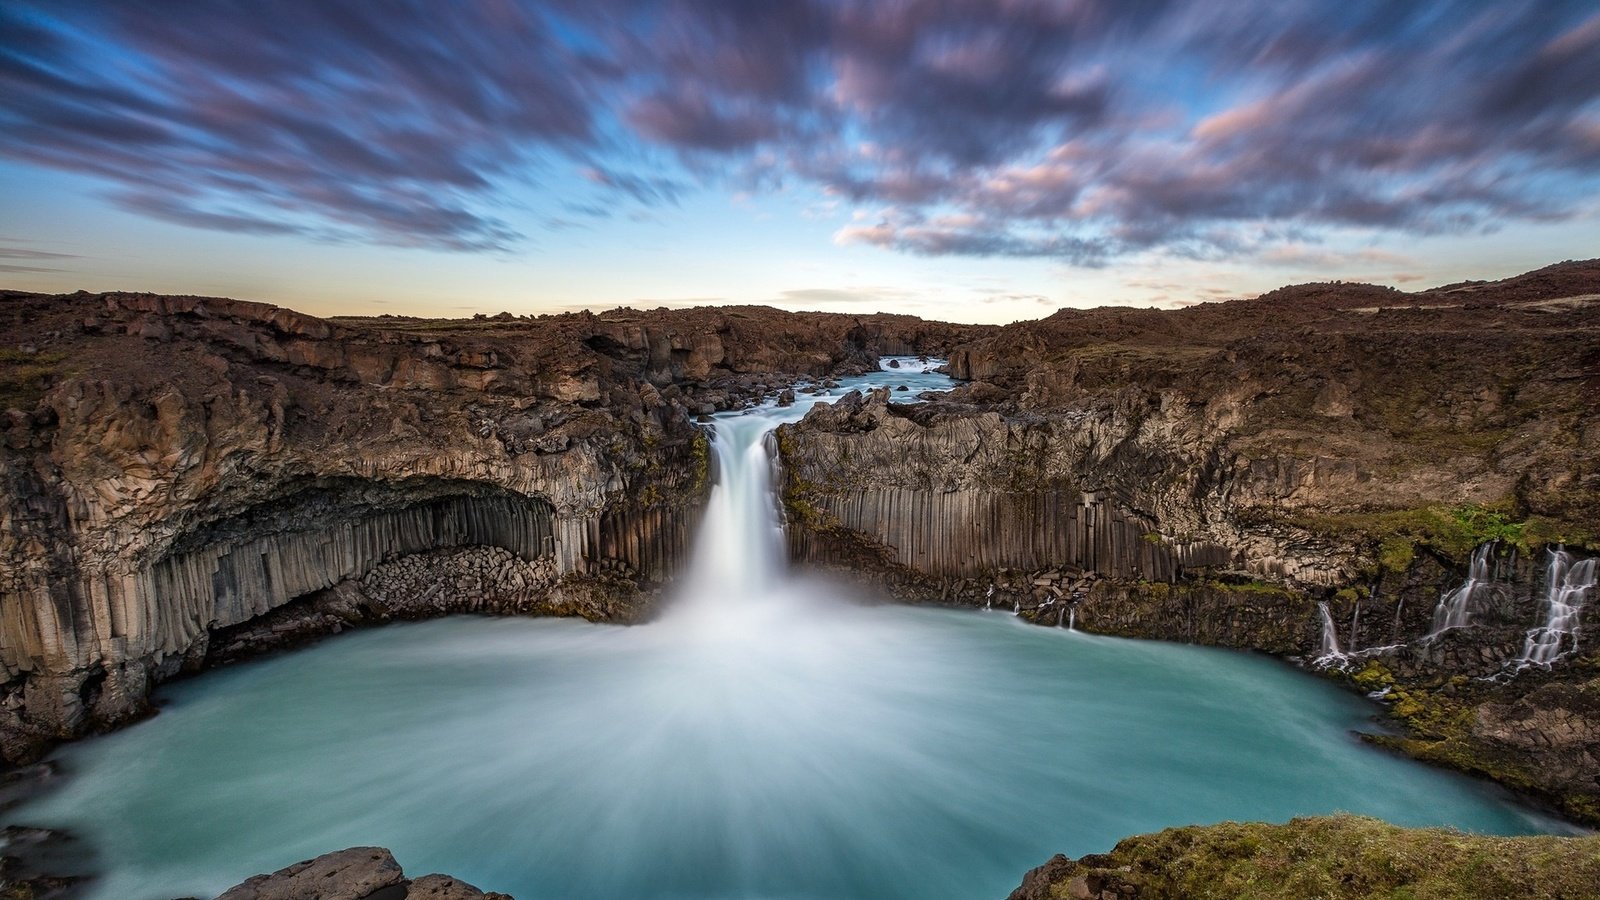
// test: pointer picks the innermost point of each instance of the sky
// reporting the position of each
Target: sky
(966, 160)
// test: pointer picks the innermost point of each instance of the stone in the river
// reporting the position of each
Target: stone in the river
(353, 874)
(443, 887)
(359, 873)
(894, 363)
(786, 398)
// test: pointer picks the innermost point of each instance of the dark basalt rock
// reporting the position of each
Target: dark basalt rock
(1214, 474)
(175, 468)
(31, 860)
(359, 873)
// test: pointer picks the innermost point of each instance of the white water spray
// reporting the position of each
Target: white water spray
(1568, 586)
(1329, 651)
(736, 581)
(739, 553)
(1455, 608)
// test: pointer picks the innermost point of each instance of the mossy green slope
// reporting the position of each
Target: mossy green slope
(1333, 858)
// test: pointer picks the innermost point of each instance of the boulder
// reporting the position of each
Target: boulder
(359, 873)
(353, 874)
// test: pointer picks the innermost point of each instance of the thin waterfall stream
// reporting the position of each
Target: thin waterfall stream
(770, 735)
(1568, 586)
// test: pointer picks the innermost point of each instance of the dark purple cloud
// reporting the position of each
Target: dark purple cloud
(1074, 130)
(321, 117)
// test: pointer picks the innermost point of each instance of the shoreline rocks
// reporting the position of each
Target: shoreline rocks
(358, 873)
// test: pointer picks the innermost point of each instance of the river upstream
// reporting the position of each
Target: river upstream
(770, 736)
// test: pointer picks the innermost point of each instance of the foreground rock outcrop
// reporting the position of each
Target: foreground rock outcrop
(359, 873)
(1335, 858)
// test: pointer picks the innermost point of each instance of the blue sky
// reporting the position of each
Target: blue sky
(972, 161)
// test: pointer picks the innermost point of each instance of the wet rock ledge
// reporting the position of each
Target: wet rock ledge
(359, 873)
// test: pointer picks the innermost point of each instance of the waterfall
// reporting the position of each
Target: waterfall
(740, 552)
(1568, 585)
(1072, 618)
(1329, 652)
(1455, 608)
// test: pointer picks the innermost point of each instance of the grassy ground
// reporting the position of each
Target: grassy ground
(1335, 858)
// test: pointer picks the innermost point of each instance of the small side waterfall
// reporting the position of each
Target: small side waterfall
(1329, 652)
(1455, 608)
(1568, 586)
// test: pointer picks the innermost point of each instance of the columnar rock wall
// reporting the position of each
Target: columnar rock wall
(651, 542)
(223, 573)
(949, 491)
(968, 532)
(226, 583)
(197, 464)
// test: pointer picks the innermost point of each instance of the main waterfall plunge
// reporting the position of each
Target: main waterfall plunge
(766, 738)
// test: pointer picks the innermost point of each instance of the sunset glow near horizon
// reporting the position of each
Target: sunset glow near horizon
(966, 160)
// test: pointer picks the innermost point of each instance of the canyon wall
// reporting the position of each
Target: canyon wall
(1307, 473)
(178, 469)
(187, 481)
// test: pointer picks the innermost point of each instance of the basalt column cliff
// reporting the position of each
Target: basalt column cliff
(1399, 488)
(189, 480)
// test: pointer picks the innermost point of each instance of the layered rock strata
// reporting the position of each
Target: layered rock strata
(1225, 473)
(190, 479)
(178, 468)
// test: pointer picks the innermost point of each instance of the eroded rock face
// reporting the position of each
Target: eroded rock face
(179, 468)
(190, 480)
(1270, 436)
(1223, 474)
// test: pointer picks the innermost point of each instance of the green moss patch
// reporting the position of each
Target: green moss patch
(1453, 531)
(1331, 857)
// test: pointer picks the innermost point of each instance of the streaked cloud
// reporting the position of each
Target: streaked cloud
(1083, 132)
